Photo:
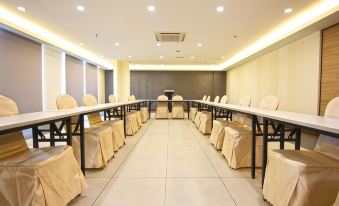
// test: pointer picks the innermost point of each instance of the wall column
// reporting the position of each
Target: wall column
(122, 78)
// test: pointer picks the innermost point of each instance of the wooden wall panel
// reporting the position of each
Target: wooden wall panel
(330, 66)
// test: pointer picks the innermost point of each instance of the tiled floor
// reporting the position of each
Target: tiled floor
(169, 162)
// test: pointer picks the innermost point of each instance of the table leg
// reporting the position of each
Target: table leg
(264, 151)
(51, 134)
(35, 137)
(297, 139)
(69, 131)
(149, 109)
(254, 138)
(282, 136)
(188, 109)
(123, 112)
(82, 143)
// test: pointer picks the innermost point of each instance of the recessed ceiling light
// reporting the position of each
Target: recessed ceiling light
(117, 44)
(158, 44)
(199, 44)
(192, 57)
(151, 8)
(161, 57)
(288, 10)
(20, 8)
(81, 44)
(80, 8)
(102, 56)
(129, 56)
(220, 8)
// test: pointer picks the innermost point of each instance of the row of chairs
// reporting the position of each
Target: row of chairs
(51, 175)
(162, 111)
(293, 177)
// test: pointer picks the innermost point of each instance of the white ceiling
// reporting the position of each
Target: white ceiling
(132, 25)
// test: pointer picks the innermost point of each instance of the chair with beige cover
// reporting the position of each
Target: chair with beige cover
(99, 145)
(304, 177)
(178, 107)
(133, 109)
(132, 125)
(237, 142)
(197, 116)
(118, 134)
(46, 176)
(193, 110)
(205, 125)
(143, 111)
(218, 131)
(162, 108)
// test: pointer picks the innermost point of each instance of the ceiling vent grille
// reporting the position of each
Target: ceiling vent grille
(170, 36)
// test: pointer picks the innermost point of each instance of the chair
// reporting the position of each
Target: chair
(46, 176)
(162, 108)
(218, 131)
(205, 125)
(133, 109)
(177, 107)
(118, 134)
(131, 118)
(98, 147)
(143, 112)
(303, 177)
(193, 110)
(237, 142)
(197, 116)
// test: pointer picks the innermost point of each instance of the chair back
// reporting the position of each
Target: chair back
(67, 102)
(133, 98)
(162, 104)
(216, 99)
(223, 99)
(208, 99)
(328, 145)
(178, 98)
(112, 99)
(245, 101)
(93, 118)
(12, 143)
(269, 102)
(241, 118)
(204, 98)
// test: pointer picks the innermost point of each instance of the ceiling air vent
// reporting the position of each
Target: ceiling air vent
(170, 36)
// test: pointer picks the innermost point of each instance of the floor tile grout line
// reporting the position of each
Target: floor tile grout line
(121, 163)
(166, 162)
(195, 135)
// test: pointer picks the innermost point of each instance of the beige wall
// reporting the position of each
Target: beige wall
(52, 76)
(101, 86)
(123, 80)
(291, 73)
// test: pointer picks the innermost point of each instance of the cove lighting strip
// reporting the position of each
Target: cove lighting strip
(28, 27)
(307, 17)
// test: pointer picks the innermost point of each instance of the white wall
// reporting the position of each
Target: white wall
(291, 73)
(123, 83)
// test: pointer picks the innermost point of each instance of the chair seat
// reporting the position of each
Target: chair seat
(47, 176)
(301, 178)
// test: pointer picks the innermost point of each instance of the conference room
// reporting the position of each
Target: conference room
(153, 103)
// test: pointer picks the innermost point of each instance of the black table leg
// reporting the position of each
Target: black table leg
(264, 151)
(82, 143)
(35, 137)
(297, 139)
(188, 109)
(149, 109)
(51, 134)
(123, 111)
(69, 131)
(254, 139)
(282, 136)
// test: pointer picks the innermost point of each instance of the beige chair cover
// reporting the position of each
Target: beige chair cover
(144, 114)
(47, 176)
(237, 141)
(295, 177)
(162, 109)
(138, 113)
(197, 116)
(205, 119)
(118, 134)
(193, 110)
(112, 99)
(98, 147)
(223, 100)
(178, 108)
(218, 131)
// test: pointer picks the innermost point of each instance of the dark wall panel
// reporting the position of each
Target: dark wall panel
(91, 80)
(109, 85)
(75, 78)
(20, 71)
(190, 85)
